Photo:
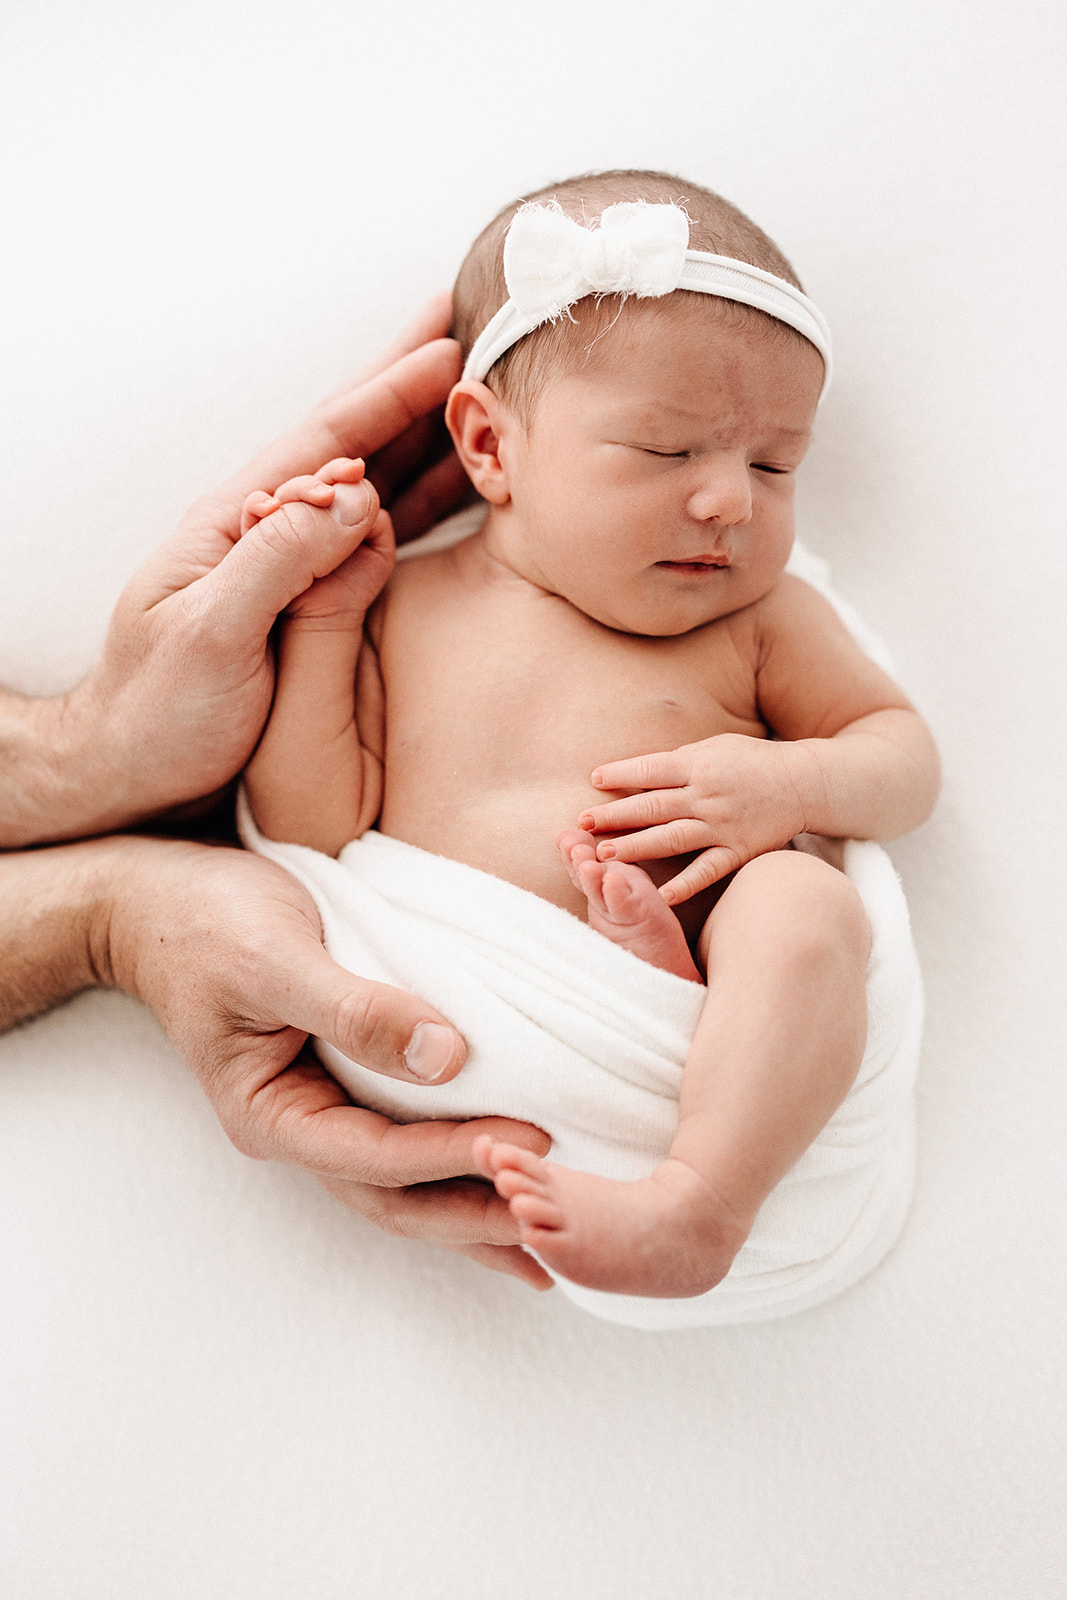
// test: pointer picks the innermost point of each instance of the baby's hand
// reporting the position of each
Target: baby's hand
(340, 488)
(731, 797)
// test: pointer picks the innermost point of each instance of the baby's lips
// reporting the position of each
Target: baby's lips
(351, 503)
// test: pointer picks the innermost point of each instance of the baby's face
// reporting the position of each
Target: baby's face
(654, 488)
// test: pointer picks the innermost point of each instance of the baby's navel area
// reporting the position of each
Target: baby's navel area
(508, 830)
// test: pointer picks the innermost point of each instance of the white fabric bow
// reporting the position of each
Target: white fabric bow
(550, 261)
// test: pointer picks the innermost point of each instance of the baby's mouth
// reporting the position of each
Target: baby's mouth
(696, 563)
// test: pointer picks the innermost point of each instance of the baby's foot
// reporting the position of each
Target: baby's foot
(626, 907)
(668, 1236)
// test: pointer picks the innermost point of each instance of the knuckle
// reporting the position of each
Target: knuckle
(377, 1170)
(245, 1145)
(397, 1220)
(397, 1213)
(366, 1026)
(378, 1206)
(239, 1127)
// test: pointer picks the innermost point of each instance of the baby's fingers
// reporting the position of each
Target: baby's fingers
(675, 838)
(343, 469)
(310, 489)
(258, 504)
(641, 810)
(710, 867)
(663, 770)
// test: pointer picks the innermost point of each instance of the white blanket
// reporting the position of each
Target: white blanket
(568, 1031)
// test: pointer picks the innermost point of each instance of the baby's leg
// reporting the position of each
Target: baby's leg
(776, 1049)
(626, 907)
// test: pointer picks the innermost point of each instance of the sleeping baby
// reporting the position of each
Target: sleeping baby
(602, 755)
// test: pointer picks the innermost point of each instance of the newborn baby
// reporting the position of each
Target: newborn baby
(612, 696)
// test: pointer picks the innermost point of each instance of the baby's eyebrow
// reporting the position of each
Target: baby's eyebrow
(646, 413)
(793, 433)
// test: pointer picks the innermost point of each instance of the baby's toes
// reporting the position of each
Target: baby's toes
(573, 842)
(627, 891)
(575, 848)
(482, 1151)
(591, 879)
(495, 1158)
(537, 1211)
(510, 1181)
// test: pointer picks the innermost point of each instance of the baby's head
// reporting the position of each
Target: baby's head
(569, 340)
(642, 370)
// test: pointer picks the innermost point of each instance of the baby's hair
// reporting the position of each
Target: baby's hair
(714, 225)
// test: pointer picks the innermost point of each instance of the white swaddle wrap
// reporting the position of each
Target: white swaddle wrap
(570, 1032)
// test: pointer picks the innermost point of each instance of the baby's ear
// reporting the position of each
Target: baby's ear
(476, 420)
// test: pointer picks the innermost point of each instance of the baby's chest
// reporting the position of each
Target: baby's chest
(557, 697)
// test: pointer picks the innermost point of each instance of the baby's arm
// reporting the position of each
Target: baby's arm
(315, 778)
(853, 759)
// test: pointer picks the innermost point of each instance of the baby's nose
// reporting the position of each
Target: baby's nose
(724, 492)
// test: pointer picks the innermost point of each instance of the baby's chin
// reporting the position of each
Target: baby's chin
(679, 602)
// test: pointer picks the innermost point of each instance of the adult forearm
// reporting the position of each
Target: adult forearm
(876, 779)
(28, 767)
(55, 778)
(51, 904)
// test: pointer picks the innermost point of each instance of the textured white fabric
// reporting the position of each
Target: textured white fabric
(568, 1031)
(551, 262)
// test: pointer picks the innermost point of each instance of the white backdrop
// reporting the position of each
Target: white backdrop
(215, 1383)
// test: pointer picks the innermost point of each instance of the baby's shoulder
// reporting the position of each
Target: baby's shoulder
(745, 629)
(417, 588)
(790, 608)
(413, 576)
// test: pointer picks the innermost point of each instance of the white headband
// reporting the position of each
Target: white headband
(551, 262)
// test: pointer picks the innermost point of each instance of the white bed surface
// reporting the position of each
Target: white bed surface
(215, 1383)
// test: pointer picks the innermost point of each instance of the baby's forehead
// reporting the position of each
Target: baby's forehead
(685, 332)
(684, 369)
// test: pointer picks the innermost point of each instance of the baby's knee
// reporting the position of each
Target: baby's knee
(816, 905)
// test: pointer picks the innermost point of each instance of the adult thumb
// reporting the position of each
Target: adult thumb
(283, 555)
(374, 1024)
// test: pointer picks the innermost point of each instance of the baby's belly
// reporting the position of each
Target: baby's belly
(509, 831)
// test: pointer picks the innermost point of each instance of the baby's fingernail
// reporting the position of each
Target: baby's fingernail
(586, 822)
(351, 503)
(597, 779)
(429, 1052)
(606, 852)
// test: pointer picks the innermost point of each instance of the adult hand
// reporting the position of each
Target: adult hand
(180, 696)
(227, 951)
